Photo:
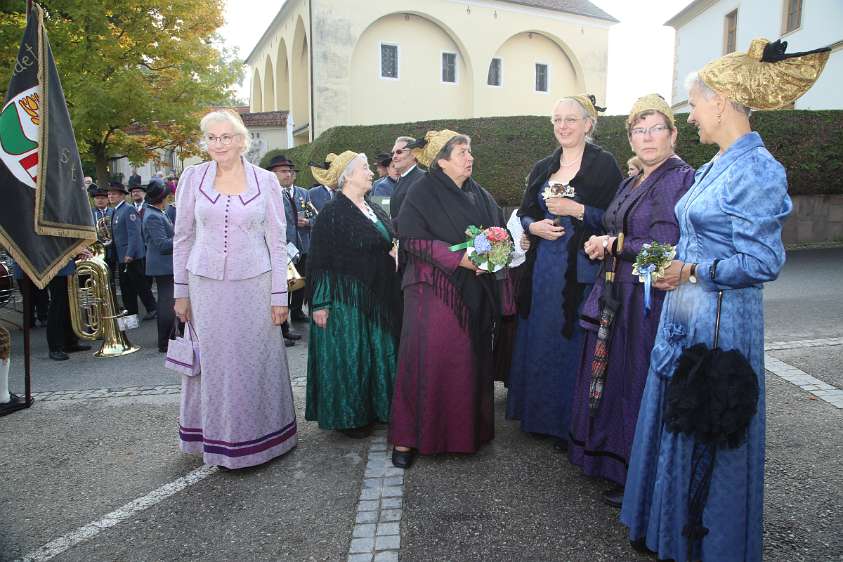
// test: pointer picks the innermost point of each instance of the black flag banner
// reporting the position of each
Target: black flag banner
(45, 217)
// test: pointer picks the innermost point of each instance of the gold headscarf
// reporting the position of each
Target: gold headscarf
(765, 77)
(336, 164)
(433, 143)
(651, 102)
(589, 103)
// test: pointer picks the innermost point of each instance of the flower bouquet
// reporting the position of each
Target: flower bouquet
(490, 249)
(649, 266)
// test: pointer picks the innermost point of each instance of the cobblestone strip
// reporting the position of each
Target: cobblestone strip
(803, 380)
(799, 344)
(92, 393)
(377, 527)
(126, 392)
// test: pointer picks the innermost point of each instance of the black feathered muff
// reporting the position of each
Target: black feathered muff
(712, 398)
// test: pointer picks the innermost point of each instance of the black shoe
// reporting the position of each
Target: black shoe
(292, 336)
(403, 459)
(640, 545)
(560, 445)
(613, 496)
(76, 347)
(299, 316)
(288, 342)
(59, 356)
(150, 315)
(357, 432)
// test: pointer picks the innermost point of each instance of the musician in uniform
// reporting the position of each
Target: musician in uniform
(102, 214)
(158, 235)
(129, 249)
(299, 218)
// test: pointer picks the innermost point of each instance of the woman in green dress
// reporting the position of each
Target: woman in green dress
(355, 303)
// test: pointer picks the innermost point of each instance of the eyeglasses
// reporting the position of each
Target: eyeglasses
(654, 130)
(570, 121)
(224, 140)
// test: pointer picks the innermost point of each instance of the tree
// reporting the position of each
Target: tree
(137, 74)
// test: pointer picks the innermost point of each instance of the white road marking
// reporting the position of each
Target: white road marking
(87, 532)
(803, 380)
(799, 344)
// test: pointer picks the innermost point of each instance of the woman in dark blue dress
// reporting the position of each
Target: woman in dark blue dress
(566, 195)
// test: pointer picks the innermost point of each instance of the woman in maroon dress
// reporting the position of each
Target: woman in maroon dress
(443, 401)
(600, 442)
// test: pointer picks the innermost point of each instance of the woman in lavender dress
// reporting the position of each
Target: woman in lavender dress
(643, 211)
(230, 271)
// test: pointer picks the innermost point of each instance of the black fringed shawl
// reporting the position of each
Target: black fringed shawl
(595, 183)
(347, 249)
(437, 209)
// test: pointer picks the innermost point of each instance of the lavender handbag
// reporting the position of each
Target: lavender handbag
(183, 351)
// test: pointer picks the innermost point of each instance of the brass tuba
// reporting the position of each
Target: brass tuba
(104, 231)
(93, 310)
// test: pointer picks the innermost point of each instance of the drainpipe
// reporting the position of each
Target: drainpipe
(310, 58)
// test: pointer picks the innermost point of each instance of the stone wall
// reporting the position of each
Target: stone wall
(815, 218)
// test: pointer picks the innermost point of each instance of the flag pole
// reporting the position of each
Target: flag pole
(27, 353)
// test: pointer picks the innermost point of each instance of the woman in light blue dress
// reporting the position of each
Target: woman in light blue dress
(730, 224)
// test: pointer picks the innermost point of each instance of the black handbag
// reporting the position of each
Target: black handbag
(712, 397)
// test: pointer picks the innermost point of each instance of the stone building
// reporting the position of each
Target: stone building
(340, 62)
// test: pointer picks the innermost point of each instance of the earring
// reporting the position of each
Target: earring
(719, 118)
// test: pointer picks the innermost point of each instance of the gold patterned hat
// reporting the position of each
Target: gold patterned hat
(651, 102)
(328, 174)
(426, 149)
(765, 77)
(589, 103)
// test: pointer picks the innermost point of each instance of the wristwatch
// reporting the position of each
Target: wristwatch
(692, 273)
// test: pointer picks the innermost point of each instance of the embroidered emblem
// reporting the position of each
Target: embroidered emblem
(133, 217)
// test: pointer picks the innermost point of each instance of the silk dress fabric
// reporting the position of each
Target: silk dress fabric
(350, 365)
(733, 212)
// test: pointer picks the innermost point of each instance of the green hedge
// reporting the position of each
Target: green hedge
(808, 143)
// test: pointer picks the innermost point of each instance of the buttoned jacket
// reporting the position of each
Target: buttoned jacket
(126, 232)
(229, 236)
(158, 234)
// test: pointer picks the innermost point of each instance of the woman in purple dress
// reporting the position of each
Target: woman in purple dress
(443, 401)
(230, 272)
(643, 211)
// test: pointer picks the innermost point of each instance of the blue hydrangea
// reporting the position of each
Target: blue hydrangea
(481, 245)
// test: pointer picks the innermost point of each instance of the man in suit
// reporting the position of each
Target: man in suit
(158, 234)
(299, 223)
(129, 251)
(408, 171)
(138, 193)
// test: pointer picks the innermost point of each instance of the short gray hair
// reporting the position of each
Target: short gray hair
(407, 140)
(350, 168)
(233, 119)
(694, 80)
(445, 152)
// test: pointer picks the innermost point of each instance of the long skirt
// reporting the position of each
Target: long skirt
(441, 403)
(239, 411)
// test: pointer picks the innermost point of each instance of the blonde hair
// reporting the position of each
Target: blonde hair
(232, 118)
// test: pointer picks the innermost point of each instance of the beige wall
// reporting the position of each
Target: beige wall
(419, 92)
(346, 78)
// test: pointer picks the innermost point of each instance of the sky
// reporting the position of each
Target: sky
(640, 47)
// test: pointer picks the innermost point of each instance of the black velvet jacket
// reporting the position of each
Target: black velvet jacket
(595, 183)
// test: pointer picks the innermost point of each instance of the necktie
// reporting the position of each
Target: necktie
(293, 206)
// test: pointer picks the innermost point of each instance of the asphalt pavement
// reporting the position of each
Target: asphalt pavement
(100, 444)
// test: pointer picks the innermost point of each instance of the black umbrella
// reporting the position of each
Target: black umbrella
(609, 305)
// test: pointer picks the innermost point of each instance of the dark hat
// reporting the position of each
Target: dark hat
(95, 191)
(138, 186)
(281, 160)
(384, 159)
(117, 186)
(156, 192)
